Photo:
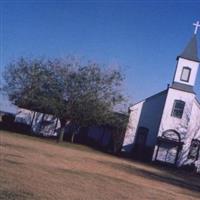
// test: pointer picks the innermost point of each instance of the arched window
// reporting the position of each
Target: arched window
(178, 108)
(171, 135)
(185, 75)
(194, 150)
(168, 147)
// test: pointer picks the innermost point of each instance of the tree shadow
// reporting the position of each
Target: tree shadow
(175, 178)
(16, 127)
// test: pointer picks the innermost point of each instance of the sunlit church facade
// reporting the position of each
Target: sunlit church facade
(165, 127)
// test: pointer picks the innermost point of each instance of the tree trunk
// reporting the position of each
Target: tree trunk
(61, 135)
(74, 134)
(63, 123)
(55, 126)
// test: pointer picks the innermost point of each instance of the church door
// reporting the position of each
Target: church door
(168, 147)
(140, 143)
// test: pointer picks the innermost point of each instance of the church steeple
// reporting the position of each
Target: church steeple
(190, 52)
(187, 65)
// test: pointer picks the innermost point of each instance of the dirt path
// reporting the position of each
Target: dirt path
(31, 168)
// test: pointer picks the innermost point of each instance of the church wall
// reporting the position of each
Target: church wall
(151, 116)
(195, 120)
(135, 112)
(170, 122)
(192, 133)
(145, 114)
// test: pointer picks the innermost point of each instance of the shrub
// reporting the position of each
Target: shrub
(8, 118)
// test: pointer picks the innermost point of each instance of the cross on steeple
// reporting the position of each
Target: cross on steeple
(197, 25)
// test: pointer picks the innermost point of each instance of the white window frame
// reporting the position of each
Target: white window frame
(176, 110)
(188, 75)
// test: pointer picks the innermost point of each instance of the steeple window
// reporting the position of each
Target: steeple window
(185, 75)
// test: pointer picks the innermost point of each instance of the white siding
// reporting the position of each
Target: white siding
(192, 133)
(24, 116)
(170, 122)
(145, 114)
(135, 112)
(151, 116)
(43, 123)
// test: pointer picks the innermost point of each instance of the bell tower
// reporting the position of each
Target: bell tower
(187, 65)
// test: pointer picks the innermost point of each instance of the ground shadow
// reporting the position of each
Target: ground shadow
(179, 179)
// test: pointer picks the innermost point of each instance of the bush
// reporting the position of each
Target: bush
(22, 128)
(190, 167)
(8, 118)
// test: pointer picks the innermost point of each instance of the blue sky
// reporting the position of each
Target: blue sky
(144, 37)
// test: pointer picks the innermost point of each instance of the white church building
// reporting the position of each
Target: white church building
(165, 127)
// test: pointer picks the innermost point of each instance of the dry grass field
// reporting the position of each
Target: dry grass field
(33, 169)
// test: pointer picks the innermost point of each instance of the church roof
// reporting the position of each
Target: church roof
(163, 92)
(190, 52)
